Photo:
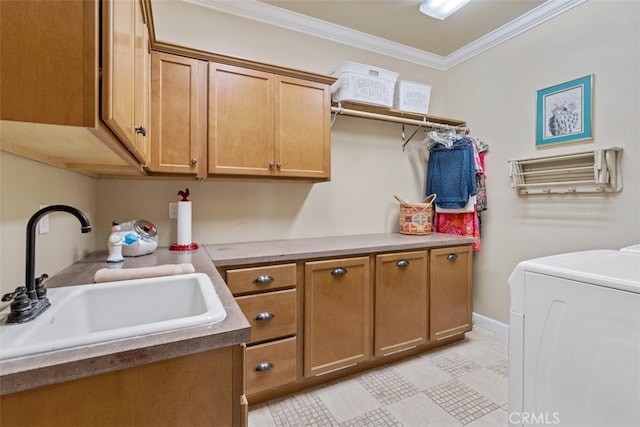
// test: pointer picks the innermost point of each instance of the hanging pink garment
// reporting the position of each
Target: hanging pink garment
(462, 224)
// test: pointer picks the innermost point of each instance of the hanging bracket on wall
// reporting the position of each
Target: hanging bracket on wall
(594, 171)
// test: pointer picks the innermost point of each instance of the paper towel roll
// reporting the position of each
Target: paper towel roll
(184, 223)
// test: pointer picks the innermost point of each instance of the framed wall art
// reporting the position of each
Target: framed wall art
(565, 112)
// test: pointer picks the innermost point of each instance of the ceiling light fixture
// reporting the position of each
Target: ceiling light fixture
(441, 9)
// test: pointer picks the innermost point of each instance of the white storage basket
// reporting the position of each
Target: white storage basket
(412, 97)
(363, 84)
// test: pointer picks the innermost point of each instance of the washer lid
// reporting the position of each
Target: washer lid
(632, 248)
(604, 267)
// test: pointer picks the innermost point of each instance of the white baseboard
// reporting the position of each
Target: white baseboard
(499, 328)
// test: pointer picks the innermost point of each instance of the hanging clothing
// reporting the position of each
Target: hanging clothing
(481, 187)
(462, 224)
(456, 174)
(451, 173)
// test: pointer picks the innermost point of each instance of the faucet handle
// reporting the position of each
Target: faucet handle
(41, 291)
(11, 295)
(41, 279)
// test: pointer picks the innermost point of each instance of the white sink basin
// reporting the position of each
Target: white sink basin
(96, 313)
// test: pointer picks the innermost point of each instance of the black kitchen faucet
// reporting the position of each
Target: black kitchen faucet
(30, 300)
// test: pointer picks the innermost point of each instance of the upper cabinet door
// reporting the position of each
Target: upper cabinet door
(125, 71)
(47, 62)
(302, 129)
(142, 86)
(178, 114)
(241, 121)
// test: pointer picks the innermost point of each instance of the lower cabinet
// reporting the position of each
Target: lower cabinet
(194, 390)
(401, 302)
(316, 317)
(337, 320)
(268, 298)
(450, 306)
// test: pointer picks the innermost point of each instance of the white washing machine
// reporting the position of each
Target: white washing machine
(574, 340)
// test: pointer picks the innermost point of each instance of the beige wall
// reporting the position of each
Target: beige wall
(24, 186)
(494, 92)
(368, 168)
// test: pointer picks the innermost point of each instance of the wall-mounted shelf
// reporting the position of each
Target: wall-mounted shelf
(397, 116)
(593, 171)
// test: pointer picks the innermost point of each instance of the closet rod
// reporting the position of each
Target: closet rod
(376, 116)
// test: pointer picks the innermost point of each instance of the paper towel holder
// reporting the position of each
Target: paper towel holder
(184, 242)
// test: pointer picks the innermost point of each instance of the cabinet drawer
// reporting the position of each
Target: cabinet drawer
(271, 314)
(270, 365)
(259, 279)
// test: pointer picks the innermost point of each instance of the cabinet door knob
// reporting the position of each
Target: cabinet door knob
(452, 257)
(272, 165)
(141, 130)
(264, 366)
(339, 271)
(402, 263)
(194, 161)
(279, 165)
(265, 315)
(264, 279)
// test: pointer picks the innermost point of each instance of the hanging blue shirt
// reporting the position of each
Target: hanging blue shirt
(451, 174)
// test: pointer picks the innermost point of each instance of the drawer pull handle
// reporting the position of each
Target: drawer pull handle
(261, 280)
(402, 263)
(265, 315)
(264, 366)
(452, 257)
(339, 271)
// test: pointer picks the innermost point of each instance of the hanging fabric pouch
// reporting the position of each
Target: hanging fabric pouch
(416, 218)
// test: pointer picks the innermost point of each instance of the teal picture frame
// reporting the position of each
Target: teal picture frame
(565, 112)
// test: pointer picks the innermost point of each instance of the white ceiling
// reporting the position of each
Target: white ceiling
(396, 28)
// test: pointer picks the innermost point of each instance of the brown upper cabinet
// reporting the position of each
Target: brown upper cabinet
(223, 120)
(50, 85)
(126, 75)
(178, 114)
(265, 124)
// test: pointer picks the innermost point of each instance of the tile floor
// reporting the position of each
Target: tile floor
(462, 384)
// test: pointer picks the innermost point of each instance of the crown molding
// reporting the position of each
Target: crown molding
(529, 20)
(262, 12)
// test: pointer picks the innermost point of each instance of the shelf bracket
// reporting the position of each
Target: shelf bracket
(335, 112)
(406, 141)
